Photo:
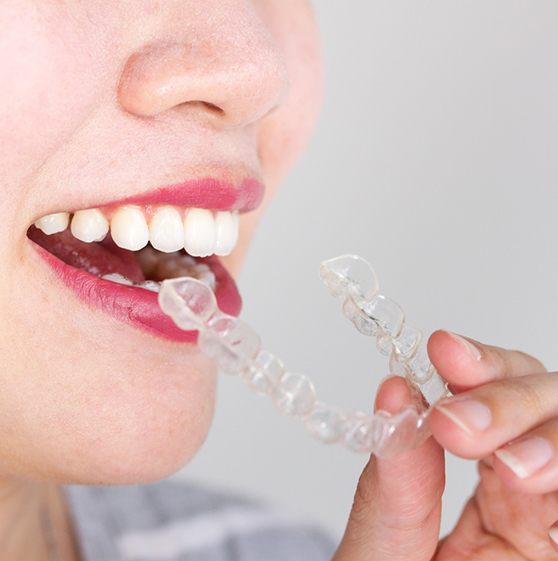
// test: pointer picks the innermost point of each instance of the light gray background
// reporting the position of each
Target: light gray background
(435, 158)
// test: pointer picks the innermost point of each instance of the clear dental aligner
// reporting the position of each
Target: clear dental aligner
(236, 348)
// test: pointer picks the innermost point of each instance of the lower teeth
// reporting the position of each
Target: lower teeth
(154, 286)
(164, 266)
(118, 278)
(205, 276)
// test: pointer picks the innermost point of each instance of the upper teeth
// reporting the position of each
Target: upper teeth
(89, 225)
(53, 223)
(166, 230)
(200, 231)
(128, 228)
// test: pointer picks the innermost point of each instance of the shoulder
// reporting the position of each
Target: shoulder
(176, 520)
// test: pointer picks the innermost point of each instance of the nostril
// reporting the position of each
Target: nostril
(214, 108)
(205, 107)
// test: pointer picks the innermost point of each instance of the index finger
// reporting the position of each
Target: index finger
(466, 363)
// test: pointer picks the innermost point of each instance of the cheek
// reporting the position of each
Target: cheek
(287, 130)
(284, 134)
(48, 77)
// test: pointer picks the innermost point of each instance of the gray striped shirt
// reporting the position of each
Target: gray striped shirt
(173, 520)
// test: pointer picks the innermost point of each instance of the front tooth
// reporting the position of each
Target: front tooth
(199, 232)
(89, 225)
(53, 223)
(118, 278)
(129, 229)
(166, 231)
(150, 285)
(226, 227)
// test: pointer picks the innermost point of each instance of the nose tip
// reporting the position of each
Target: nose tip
(223, 85)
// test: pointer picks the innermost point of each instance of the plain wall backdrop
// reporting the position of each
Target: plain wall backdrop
(436, 159)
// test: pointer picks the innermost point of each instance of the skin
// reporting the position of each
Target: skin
(88, 90)
(106, 83)
(397, 506)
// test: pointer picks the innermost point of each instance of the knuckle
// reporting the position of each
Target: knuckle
(512, 362)
(525, 395)
(500, 361)
(530, 359)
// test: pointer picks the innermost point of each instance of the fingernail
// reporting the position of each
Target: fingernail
(526, 457)
(468, 414)
(473, 351)
(553, 535)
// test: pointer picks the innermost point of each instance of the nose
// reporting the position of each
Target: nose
(226, 74)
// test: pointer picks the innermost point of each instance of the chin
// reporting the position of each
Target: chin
(100, 417)
(144, 429)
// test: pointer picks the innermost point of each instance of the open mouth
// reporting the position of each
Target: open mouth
(115, 257)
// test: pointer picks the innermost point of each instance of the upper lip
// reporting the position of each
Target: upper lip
(203, 192)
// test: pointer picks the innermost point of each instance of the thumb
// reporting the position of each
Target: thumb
(397, 504)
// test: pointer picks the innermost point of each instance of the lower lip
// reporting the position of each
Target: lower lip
(137, 306)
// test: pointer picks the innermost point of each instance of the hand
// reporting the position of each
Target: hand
(397, 505)
(502, 396)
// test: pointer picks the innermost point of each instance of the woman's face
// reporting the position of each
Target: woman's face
(103, 101)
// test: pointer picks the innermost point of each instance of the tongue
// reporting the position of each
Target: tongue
(99, 258)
